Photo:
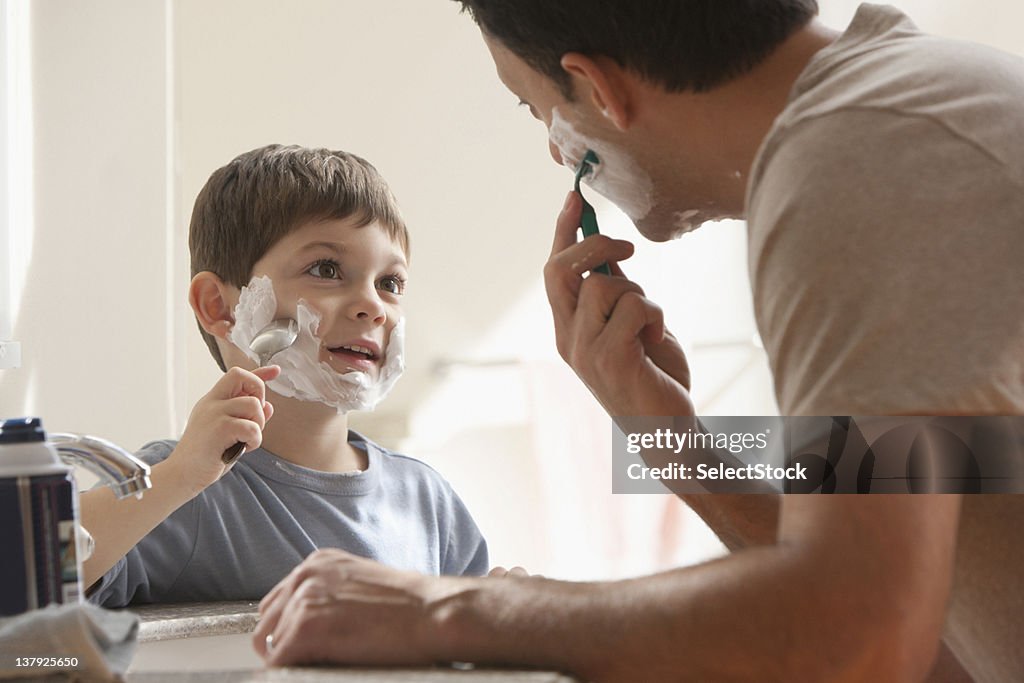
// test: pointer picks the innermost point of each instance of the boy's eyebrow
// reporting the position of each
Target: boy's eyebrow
(339, 249)
(336, 247)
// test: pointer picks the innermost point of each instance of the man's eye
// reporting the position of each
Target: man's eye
(529, 107)
(392, 284)
(326, 269)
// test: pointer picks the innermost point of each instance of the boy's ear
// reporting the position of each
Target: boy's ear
(207, 294)
(606, 84)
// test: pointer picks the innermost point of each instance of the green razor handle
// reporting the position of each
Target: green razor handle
(588, 219)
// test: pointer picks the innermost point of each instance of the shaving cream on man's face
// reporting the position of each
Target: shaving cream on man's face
(617, 177)
(622, 181)
(303, 375)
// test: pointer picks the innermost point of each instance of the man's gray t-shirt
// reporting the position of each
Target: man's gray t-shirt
(243, 534)
(885, 219)
(886, 227)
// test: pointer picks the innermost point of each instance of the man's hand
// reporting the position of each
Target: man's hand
(337, 607)
(234, 410)
(612, 336)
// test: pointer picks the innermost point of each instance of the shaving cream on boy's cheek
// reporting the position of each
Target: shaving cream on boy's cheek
(303, 375)
(617, 177)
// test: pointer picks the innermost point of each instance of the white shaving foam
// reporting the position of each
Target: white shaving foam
(303, 375)
(617, 176)
(687, 221)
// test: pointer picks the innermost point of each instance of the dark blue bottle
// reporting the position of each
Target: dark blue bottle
(38, 509)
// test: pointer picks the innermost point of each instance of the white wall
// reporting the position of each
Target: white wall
(93, 316)
(137, 101)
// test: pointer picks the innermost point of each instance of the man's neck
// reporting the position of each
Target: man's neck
(738, 115)
(311, 435)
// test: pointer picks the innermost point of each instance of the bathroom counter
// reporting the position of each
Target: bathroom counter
(337, 675)
(210, 642)
(195, 620)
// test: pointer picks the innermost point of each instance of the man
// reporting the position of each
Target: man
(880, 172)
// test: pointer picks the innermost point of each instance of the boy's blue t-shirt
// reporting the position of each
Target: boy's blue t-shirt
(243, 534)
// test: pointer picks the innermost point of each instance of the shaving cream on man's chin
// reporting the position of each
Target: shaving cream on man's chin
(303, 375)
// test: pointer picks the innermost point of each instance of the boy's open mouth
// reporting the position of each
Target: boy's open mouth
(355, 355)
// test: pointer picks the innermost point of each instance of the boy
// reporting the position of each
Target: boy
(314, 236)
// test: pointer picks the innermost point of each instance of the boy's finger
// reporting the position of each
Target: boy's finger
(239, 382)
(268, 372)
(247, 408)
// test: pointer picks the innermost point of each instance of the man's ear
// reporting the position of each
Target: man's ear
(207, 294)
(606, 83)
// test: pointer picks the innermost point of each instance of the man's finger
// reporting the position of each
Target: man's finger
(270, 610)
(598, 298)
(635, 315)
(563, 274)
(567, 223)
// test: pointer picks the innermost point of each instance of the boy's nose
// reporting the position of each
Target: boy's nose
(367, 307)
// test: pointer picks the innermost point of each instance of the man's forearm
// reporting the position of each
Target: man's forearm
(742, 521)
(855, 590)
(739, 520)
(756, 615)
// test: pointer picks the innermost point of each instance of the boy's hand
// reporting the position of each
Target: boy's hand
(500, 572)
(234, 410)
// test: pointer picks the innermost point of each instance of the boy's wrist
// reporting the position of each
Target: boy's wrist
(172, 475)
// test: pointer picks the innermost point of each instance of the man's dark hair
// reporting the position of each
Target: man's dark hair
(680, 44)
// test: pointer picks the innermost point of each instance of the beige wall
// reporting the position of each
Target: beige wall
(97, 333)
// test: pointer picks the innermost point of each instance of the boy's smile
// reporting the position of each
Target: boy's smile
(359, 354)
(352, 276)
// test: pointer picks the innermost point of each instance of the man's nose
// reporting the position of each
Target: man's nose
(556, 153)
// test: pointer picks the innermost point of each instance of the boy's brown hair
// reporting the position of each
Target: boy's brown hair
(261, 196)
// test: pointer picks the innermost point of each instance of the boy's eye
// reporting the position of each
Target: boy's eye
(392, 284)
(326, 269)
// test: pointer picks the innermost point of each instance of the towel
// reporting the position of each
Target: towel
(101, 641)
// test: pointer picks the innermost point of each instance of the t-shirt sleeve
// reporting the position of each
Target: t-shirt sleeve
(150, 568)
(874, 256)
(465, 553)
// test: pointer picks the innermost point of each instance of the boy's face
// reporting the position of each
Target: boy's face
(354, 277)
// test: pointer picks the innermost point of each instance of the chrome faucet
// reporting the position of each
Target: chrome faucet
(117, 468)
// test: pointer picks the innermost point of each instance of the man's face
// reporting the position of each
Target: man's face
(354, 277)
(640, 176)
(535, 91)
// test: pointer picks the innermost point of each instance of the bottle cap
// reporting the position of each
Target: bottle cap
(22, 430)
(24, 451)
